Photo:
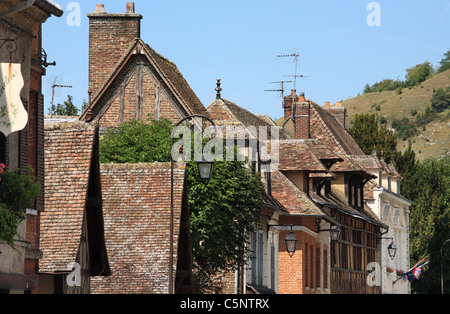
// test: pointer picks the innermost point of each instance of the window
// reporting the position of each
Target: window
(257, 258)
(272, 266)
(318, 267)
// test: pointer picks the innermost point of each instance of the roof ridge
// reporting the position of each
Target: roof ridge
(157, 165)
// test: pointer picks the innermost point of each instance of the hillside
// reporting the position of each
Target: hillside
(431, 142)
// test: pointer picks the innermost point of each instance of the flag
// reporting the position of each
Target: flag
(415, 271)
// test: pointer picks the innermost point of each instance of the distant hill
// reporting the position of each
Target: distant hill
(434, 141)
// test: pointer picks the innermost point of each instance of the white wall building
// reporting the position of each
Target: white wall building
(384, 199)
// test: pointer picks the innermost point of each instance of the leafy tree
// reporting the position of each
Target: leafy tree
(135, 141)
(445, 62)
(66, 109)
(369, 134)
(440, 100)
(16, 194)
(224, 211)
(406, 164)
(418, 74)
(429, 223)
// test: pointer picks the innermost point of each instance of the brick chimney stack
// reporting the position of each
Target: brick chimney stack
(338, 111)
(109, 36)
(299, 112)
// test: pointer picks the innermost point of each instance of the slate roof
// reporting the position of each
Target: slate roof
(136, 204)
(68, 153)
(165, 69)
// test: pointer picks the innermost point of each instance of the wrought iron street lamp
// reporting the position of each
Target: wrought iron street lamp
(205, 168)
(291, 243)
(334, 230)
(392, 249)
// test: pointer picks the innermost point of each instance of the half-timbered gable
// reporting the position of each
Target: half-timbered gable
(134, 82)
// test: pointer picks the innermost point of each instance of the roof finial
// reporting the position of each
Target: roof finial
(218, 89)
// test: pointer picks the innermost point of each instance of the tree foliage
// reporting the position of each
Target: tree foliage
(224, 211)
(429, 222)
(445, 62)
(370, 135)
(16, 194)
(135, 141)
(65, 109)
(440, 100)
(418, 74)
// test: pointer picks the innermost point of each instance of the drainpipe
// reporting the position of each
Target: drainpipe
(18, 8)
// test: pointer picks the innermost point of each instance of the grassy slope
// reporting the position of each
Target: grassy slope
(432, 142)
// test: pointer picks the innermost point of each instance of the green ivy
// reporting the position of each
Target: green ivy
(16, 195)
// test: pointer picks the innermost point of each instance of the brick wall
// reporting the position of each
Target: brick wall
(152, 97)
(301, 114)
(109, 36)
(306, 272)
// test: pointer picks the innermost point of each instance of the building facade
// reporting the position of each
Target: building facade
(21, 43)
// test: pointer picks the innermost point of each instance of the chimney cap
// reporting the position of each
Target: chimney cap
(130, 7)
(100, 9)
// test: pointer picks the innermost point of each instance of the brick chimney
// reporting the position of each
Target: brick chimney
(109, 36)
(298, 108)
(339, 112)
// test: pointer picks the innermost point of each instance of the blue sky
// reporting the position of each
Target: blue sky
(238, 41)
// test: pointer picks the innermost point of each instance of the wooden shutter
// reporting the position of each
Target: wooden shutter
(40, 150)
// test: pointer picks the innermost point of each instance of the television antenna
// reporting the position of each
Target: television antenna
(54, 85)
(279, 90)
(294, 55)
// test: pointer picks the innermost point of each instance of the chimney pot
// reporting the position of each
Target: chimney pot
(130, 7)
(100, 9)
(301, 97)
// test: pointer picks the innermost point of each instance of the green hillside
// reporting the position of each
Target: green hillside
(431, 141)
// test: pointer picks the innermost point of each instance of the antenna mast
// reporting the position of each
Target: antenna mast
(53, 94)
(279, 90)
(295, 55)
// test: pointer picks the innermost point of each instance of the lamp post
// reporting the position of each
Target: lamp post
(442, 267)
(205, 168)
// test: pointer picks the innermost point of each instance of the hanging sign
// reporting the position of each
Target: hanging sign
(13, 116)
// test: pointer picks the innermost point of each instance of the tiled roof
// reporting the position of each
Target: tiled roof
(295, 201)
(165, 68)
(136, 205)
(325, 127)
(335, 201)
(68, 152)
(297, 155)
(225, 112)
